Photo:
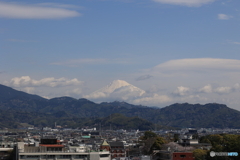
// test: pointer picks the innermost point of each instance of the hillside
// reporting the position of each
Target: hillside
(118, 121)
(196, 115)
(21, 107)
(7, 93)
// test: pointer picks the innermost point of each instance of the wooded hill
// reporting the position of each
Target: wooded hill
(17, 107)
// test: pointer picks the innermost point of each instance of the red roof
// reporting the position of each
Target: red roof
(51, 145)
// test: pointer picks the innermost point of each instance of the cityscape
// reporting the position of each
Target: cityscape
(94, 144)
(119, 80)
(78, 129)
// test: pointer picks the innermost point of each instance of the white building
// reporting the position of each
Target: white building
(57, 152)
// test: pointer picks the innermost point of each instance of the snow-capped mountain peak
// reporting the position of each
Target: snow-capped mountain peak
(117, 90)
(114, 85)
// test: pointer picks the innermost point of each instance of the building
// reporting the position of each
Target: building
(6, 149)
(188, 142)
(105, 146)
(49, 149)
(117, 149)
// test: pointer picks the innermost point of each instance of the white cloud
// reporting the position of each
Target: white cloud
(127, 92)
(133, 98)
(181, 91)
(219, 90)
(200, 80)
(199, 64)
(23, 11)
(72, 91)
(154, 99)
(96, 95)
(206, 89)
(224, 16)
(223, 90)
(26, 81)
(29, 90)
(189, 3)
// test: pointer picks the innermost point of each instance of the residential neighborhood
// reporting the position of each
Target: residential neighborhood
(92, 144)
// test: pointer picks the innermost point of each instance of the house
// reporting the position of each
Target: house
(117, 149)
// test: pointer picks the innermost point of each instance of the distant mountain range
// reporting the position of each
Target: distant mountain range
(18, 108)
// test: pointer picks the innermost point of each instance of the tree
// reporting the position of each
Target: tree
(176, 137)
(151, 142)
(223, 143)
(159, 141)
(199, 154)
(149, 134)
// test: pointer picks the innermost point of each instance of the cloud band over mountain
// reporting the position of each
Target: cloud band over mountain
(26, 81)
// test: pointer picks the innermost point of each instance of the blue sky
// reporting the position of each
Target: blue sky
(175, 50)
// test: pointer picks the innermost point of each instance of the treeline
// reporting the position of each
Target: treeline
(220, 143)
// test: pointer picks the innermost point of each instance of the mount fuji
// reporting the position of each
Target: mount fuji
(117, 90)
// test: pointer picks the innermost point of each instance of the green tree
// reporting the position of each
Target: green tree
(223, 143)
(159, 141)
(199, 154)
(149, 134)
(151, 142)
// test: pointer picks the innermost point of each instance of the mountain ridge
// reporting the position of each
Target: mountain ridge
(72, 110)
(8, 92)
